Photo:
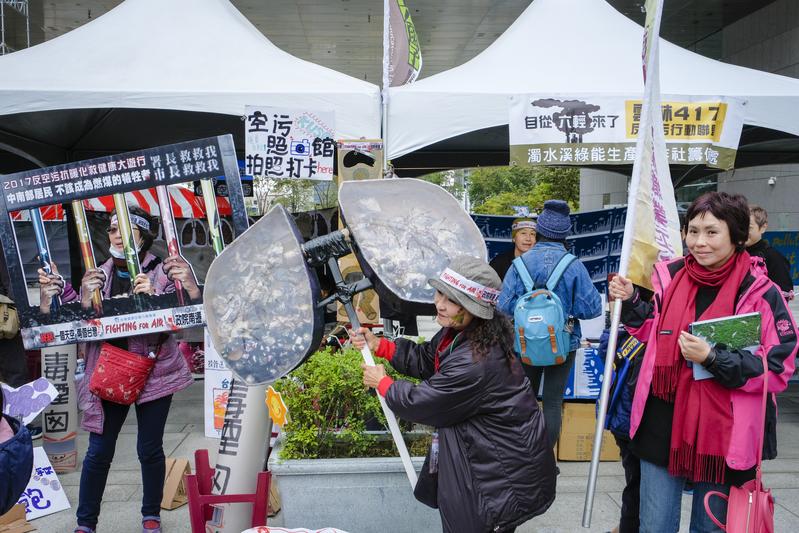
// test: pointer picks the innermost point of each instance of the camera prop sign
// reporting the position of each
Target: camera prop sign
(289, 144)
(68, 318)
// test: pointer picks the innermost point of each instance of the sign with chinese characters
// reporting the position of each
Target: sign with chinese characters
(288, 143)
(44, 494)
(60, 419)
(218, 379)
(601, 130)
(26, 402)
(68, 321)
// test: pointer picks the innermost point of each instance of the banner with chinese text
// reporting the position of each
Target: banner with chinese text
(288, 143)
(129, 174)
(587, 129)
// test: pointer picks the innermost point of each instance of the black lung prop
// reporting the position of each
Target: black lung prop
(261, 301)
(406, 231)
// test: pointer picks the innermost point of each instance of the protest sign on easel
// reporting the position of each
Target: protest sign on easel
(44, 494)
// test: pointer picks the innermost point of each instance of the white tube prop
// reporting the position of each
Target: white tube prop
(242, 454)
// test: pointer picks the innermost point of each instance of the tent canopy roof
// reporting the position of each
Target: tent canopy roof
(570, 47)
(185, 55)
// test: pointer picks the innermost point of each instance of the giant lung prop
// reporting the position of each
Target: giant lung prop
(405, 232)
(261, 301)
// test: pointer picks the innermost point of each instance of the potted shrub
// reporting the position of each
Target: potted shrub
(330, 470)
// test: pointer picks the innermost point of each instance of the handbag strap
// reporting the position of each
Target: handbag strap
(762, 422)
(162, 337)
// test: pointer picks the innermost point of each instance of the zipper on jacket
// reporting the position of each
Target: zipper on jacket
(748, 512)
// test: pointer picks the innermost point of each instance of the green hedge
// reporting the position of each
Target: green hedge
(328, 406)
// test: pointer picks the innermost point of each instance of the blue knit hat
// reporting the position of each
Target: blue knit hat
(554, 222)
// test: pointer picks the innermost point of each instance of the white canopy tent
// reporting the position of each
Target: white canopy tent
(567, 47)
(139, 75)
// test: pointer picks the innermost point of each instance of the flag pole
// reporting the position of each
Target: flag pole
(651, 86)
(386, 81)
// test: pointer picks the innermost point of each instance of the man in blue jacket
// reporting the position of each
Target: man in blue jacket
(576, 291)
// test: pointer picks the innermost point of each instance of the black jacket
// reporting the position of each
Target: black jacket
(503, 262)
(495, 469)
(779, 269)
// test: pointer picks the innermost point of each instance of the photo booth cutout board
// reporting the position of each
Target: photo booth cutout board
(203, 159)
(44, 494)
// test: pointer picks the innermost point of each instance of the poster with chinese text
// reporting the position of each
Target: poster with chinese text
(44, 494)
(289, 143)
(587, 129)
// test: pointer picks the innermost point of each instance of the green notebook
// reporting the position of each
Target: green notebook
(735, 332)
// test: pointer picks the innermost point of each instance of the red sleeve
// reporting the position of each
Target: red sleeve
(384, 384)
(386, 349)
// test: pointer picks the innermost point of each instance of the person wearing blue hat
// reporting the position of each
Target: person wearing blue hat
(577, 294)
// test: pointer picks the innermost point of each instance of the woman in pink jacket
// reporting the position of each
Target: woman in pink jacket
(170, 374)
(703, 431)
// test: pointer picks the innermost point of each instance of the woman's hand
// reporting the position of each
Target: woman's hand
(93, 279)
(373, 374)
(620, 288)
(364, 337)
(50, 285)
(694, 349)
(142, 285)
(177, 269)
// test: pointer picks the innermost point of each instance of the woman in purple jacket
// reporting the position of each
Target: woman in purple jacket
(170, 374)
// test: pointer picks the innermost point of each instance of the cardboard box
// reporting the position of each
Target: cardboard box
(174, 484)
(14, 521)
(576, 441)
(366, 303)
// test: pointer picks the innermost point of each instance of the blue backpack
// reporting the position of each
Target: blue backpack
(542, 334)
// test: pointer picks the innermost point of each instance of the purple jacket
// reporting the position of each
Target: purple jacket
(170, 373)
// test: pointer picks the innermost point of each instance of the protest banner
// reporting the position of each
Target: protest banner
(586, 129)
(289, 143)
(44, 494)
(403, 59)
(131, 174)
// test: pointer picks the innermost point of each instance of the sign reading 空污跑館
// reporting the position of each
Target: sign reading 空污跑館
(289, 144)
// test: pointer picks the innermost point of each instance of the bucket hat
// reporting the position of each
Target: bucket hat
(472, 283)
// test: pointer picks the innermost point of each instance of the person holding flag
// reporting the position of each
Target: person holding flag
(703, 430)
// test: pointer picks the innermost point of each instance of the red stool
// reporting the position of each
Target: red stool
(198, 490)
